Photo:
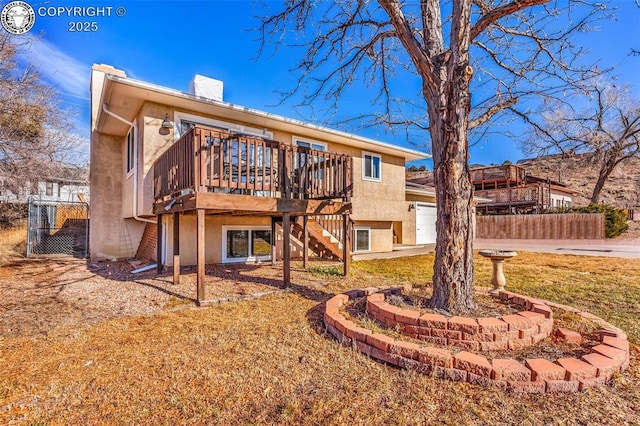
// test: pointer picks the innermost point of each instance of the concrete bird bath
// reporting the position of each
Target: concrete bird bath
(497, 258)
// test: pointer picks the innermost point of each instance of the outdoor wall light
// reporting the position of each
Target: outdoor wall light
(412, 206)
(166, 126)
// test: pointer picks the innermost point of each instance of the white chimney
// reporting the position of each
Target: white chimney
(206, 87)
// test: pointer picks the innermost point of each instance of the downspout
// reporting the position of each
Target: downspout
(135, 175)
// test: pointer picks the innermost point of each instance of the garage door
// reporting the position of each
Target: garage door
(425, 224)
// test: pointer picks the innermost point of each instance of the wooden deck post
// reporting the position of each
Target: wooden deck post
(159, 265)
(200, 219)
(286, 248)
(345, 244)
(176, 248)
(273, 241)
(305, 242)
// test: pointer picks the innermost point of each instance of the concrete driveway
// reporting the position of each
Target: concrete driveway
(606, 248)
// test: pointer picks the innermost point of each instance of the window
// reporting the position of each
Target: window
(237, 244)
(300, 161)
(241, 244)
(362, 239)
(319, 146)
(130, 151)
(184, 122)
(49, 189)
(371, 164)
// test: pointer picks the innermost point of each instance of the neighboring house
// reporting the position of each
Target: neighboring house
(223, 180)
(512, 190)
(70, 188)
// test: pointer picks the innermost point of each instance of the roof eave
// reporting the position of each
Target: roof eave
(407, 154)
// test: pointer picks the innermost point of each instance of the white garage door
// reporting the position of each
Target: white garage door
(425, 224)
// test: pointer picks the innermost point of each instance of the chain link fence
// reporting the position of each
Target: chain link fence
(57, 228)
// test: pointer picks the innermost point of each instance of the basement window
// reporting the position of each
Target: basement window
(362, 239)
(245, 244)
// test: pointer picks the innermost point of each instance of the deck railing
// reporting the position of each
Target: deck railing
(207, 160)
(514, 174)
(333, 224)
(527, 194)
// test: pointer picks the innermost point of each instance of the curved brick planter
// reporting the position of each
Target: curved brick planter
(534, 375)
(516, 331)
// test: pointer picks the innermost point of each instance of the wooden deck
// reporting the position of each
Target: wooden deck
(207, 160)
(505, 176)
(213, 171)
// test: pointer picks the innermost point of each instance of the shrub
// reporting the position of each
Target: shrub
(615, 217)
(12, 214)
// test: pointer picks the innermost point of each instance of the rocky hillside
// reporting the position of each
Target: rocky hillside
(622, 188)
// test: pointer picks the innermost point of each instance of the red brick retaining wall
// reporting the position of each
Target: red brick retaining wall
(515, 331)
(532, 376)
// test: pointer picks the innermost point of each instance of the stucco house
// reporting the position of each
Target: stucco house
(172, 167)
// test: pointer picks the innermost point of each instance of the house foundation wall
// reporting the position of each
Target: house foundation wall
(106, 197)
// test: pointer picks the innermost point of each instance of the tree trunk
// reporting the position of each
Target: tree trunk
(453, 269)
(605, 171)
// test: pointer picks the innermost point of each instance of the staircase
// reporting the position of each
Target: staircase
(321, 241)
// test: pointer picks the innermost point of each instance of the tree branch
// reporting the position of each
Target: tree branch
(413, 47)
(492, 111)
(501, 12)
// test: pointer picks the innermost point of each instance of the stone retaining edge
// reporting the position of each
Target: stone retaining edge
(534, 376)
(515, 331)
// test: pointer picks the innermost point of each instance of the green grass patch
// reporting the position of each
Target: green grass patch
(325, 270)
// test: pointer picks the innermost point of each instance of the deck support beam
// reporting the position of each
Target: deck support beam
(176, 248)
(286, 248)
(200, 258)
(273, 241)
(159, 247)
(305, 241)
(346, 259)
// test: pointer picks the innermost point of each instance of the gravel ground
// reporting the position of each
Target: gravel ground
(37, 295)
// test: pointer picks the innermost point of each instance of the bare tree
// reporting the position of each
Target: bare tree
(36, 133)
(600, 120)
(509, 50)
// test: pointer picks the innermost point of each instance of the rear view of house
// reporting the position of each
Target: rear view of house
(220, 182)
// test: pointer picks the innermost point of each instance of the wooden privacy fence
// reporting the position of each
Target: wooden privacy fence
(570, 226)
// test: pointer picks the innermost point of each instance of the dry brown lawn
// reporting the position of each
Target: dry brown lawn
(269, 360)
(12, 244)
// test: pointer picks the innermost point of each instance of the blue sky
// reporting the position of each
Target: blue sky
(168, 42)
